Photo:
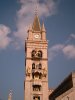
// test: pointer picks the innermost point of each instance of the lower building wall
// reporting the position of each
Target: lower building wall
(27, 91)
(69, 95)
(45, 90)
(66, 90)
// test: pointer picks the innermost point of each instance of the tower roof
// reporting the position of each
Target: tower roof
(36, 24)
(43, 27)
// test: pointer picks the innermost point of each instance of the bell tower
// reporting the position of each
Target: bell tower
(36, 63)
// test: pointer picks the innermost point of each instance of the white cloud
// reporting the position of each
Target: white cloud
(72, 36)
(69, 51)
(54, 51)
(25, 15)
(24, 18)
(4, 38)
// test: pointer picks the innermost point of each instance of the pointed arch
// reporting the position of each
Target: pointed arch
(33, 53)
(40, 53)
(33, 66)
(40, 66)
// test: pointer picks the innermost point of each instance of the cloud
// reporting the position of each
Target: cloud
(25, 15)
(54, 51)
(72, 36)
(4, 38)
(69, 51)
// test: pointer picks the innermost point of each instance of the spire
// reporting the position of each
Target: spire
(30, 32)
(36, 24)
(36, 10)
(43, 30)
(43, 27)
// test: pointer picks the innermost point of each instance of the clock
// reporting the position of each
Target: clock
(36, 36)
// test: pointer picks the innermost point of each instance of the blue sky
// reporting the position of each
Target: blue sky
(15, 18)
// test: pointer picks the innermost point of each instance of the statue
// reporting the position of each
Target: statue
(36, 98)
(28, 71)
(44, 72)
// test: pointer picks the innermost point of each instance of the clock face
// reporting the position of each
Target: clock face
(36, 36)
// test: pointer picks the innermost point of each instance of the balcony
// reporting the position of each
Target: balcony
(36, 58)
(37, 92)
(36, 82)
(37, 71)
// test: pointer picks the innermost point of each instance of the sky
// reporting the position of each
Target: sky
(15, 18)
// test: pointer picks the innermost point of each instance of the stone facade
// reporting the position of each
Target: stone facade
(36, 67)
(66, 90)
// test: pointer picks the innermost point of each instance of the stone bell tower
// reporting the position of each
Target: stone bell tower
(36, 63)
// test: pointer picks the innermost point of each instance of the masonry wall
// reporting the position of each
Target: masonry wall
(66, 90)
(69, 95)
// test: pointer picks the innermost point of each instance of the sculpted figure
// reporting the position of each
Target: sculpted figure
(44, 72)
(28, 71)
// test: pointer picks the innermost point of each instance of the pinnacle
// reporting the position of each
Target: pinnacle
(30, 27)
(43, 27)
(36, 24)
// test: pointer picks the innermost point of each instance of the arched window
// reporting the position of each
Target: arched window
(40, 54)
(33, 66)
(33, 53)
(36, 97)
(33, 75)
(36, 87)
(40, 76)
(40, 66)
